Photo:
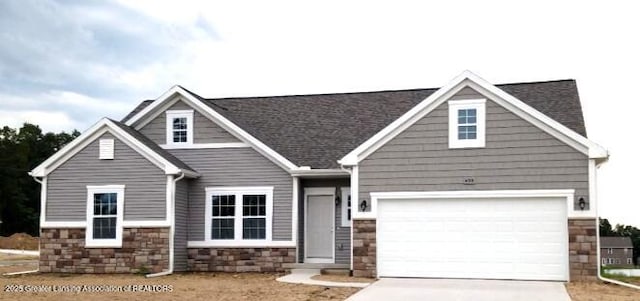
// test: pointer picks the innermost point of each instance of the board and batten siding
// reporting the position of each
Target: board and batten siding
(517, 156)
(204, 130)
(233, 167)
(181, 225)
(145, 183)
(342, 234)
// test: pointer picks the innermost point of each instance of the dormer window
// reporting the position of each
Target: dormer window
(467, 123)
(180, 127)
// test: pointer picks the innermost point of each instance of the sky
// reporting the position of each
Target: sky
(66, 64)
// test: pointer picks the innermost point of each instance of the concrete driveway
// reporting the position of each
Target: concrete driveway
(407, 289)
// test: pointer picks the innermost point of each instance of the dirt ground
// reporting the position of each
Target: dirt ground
(19, 241)
(599, 291)
(191, 286)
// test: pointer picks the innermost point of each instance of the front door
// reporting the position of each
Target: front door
(320, 221)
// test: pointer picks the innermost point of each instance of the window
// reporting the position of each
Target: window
(254, 216)
(604, 261)
(346, 206)
(180, 127)
(611, 261)
(223, 212)
(467, 123)
(610, 251)
(104, 216)
(629, 261)
(236, 215)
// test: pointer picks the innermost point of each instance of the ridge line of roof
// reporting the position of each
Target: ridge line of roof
(366, 92)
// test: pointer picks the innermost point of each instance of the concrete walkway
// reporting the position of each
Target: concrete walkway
(461, 290)
(19, 252)
(303, 276)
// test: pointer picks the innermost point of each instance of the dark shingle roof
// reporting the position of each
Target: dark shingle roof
(154, 147)
(317, 130)
(137, 109)
(615, 242)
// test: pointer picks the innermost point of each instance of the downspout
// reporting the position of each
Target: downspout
(172, 230)
(39, 228)
(349, 170)
(598, 251)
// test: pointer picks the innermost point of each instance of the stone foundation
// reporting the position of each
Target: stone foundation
(583, 258)
(364, 248)
(143, 250)
(237, 260)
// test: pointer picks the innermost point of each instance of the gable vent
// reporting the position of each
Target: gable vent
(106, 149)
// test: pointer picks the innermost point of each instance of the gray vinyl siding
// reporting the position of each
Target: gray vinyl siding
(145, 184)
(518, 155)
(236, 167)
(342, 235)
(181, 225)
(204, 130)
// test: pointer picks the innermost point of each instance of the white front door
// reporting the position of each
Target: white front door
(320, 211)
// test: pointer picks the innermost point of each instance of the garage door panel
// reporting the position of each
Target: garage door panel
(522, 238)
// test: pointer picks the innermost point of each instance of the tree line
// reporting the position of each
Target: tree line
(20, 151)
(621, 230)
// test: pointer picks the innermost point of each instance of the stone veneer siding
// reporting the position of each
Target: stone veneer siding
(364, 248)
(582, 249)
(143, 250)
(583, 256)
(239, 260)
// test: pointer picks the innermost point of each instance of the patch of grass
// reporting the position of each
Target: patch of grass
(606, 273)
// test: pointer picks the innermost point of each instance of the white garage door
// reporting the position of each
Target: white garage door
(517, 238)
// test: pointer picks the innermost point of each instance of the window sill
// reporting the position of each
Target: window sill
(103, 244)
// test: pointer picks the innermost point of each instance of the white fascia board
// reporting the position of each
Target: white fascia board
(355, 156)
(98, 129)
(468, 78)
(558, 130)
(157, 102)
(218, 119)
(41, 170)
(319, 172)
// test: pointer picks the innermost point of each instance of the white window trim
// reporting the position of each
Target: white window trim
(171, 114)
(568, 194)
(480, 106)
(345, 193)
(629, 261)
(238, 192)
(90, 242)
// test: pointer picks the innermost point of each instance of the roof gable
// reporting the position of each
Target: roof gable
(468, 79)
(151, 109)
(151, 151)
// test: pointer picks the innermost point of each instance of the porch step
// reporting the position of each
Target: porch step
(319, 266)
(340, 272)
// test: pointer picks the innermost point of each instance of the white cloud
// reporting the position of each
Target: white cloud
(97, 60)
(47, 120)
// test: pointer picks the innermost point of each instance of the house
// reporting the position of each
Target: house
(616, 251)
(471, 180)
